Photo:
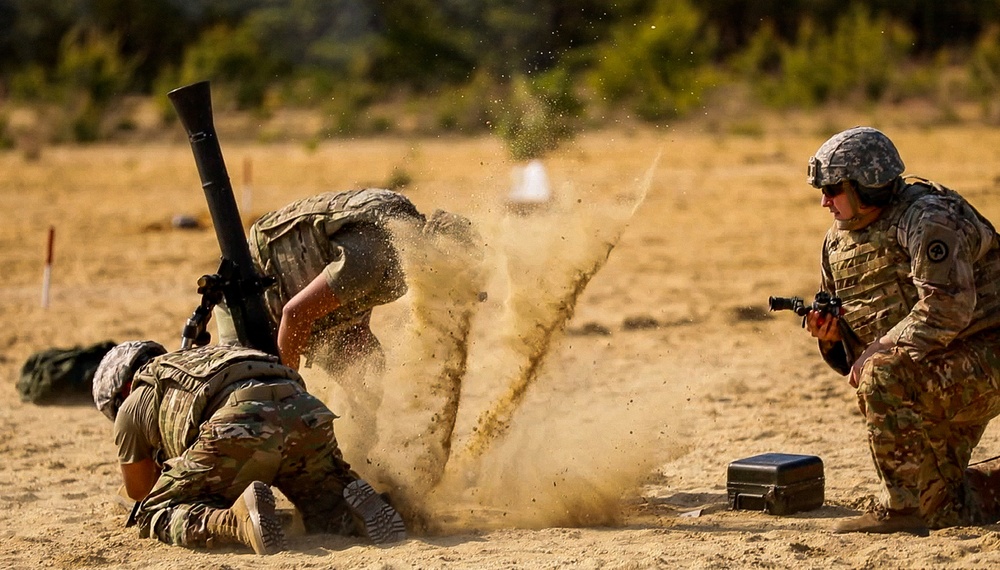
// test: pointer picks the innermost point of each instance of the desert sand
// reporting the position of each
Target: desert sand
(623, 356)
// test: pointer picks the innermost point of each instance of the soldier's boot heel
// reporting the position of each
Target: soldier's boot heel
(984, 484)
(375, 518)
(251, 520)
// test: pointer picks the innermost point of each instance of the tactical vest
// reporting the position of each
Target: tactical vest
(872, 271)
(192, 384)
(293, 244)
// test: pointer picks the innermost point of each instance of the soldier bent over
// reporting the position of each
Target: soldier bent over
(201, 435)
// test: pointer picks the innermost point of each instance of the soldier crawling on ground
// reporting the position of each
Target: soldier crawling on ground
(202, 433)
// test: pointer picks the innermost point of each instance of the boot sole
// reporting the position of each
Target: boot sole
(378, 521)
(267, 535)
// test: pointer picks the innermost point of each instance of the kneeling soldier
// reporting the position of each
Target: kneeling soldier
(203, 433)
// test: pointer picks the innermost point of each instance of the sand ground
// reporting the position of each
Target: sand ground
(667, 367)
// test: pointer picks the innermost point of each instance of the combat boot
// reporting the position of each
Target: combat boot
(984, 485)
(374, 518)
(251, 521)
(885, 522)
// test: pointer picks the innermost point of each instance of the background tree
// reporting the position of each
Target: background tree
(580, 59)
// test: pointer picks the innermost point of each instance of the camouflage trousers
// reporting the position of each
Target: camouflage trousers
(289, 444)
(924, 419)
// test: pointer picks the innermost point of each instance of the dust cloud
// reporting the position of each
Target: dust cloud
(458, 446)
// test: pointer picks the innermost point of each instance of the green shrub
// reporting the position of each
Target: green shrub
(984, 72)
(85, 123)
(168, 80)
(126, 124)
(311, 143)
(91, 64)
(6, 139)
(537, 114)
(466, 108)
(657, 67)
(748, 128)
(234, 61)
(345, 110)
(920, 79)
(762, 54)
(860, 58)
(31, 84)
(90, 76)
(447, 119)
(381, 124)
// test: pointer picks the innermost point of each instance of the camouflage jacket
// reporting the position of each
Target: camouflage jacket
(192, 384)
(922, 275)
(293, 244)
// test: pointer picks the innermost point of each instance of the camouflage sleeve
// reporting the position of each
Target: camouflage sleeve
(365, 257)
(942, 243)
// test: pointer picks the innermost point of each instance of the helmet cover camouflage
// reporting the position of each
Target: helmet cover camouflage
(862, 154)
(116, 370)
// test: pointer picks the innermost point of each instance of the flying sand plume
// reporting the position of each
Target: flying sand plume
(537, 336)
(422, 392)
(545, 263)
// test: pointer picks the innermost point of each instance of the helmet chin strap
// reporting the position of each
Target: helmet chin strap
(863, 215)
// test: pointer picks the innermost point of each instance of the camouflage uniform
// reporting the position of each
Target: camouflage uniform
(300, 241)
(226, 417)
(926, 277)
(346, 237)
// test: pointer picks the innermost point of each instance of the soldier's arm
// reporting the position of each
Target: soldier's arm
(137, 438)
(941, 254)
(316, 300)
(361, 263)
(139, 478)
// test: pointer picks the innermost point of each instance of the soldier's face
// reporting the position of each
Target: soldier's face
(835, 199)
(843, 202)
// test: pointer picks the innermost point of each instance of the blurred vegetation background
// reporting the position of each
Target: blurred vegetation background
(533, 72)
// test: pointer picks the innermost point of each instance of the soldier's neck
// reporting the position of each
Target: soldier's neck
(862, 219)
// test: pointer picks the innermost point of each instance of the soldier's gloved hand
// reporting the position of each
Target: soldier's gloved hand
(823, 326)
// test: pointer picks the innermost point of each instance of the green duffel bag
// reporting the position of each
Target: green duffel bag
(60, 374)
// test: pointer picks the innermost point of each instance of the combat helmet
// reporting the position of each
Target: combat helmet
(116, 370)
(862, 155)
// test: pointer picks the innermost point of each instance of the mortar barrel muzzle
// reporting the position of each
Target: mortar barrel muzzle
(194, 107)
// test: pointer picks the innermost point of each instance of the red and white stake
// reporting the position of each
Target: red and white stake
(47, 276)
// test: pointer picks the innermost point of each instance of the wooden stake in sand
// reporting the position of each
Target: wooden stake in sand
(47, 275)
